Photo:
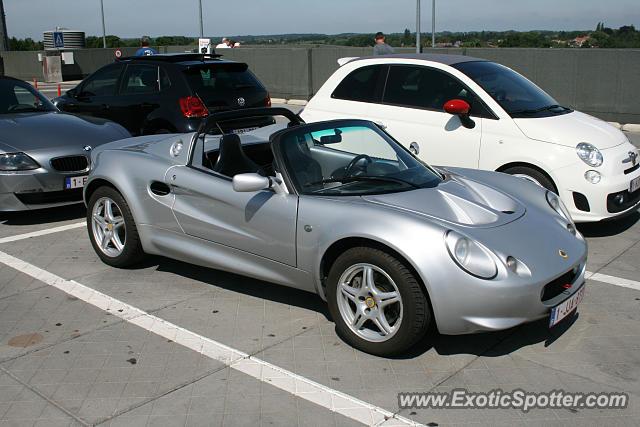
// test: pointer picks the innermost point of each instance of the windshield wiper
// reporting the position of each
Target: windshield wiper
(537, 110)
(363, 178)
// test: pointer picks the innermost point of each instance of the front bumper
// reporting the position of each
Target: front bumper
(596, 202)
(493, 308)
(36, 189)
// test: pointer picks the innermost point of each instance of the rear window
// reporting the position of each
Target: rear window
(221, 77)
(361, 85)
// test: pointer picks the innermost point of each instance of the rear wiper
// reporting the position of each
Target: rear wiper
(537, 110)
(362, 178)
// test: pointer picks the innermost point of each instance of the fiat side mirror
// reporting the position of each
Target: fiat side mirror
(461, 109)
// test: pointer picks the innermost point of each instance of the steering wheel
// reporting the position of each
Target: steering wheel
(348, 171)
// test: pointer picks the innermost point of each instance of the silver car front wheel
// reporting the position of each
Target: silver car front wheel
(112, 230)
(108, 227)
(369, 302)
(376, 301)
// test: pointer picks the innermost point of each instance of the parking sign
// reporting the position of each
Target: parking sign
(58, 39)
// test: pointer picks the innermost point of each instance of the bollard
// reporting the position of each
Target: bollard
(35, 83)
(59, 93)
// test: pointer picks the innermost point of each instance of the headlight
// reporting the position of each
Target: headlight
(470, 256)
(589, 154)
(17, 162)
(557, 205)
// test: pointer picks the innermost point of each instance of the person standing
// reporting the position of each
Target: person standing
(145, 49)
(224, 44)
(381, 48)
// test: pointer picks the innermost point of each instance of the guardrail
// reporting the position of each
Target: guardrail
(602, 82)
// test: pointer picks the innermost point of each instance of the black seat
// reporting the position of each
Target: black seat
(232, 159)
(305, 168)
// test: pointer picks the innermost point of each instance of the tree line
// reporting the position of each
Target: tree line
(603, 37)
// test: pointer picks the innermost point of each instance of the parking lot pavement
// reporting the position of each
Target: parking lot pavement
(69, 355)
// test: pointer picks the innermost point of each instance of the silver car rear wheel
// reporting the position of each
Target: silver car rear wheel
(369, 302)
(108, 225)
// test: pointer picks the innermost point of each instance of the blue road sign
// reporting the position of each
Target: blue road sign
(58, 39)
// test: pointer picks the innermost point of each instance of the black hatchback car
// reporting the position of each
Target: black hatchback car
(168, 93)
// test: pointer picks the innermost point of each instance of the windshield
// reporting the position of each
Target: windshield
(351, 158)
(518, 96)
(20, 97)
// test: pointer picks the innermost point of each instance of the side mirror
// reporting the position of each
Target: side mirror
(461, 109)
(72, 92)
(249, 182)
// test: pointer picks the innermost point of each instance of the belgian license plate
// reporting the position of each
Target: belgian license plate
(561, 311)
(244, 130)
(634, 185)
(75, 182)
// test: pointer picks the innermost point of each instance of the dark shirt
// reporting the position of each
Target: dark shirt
(382, 49)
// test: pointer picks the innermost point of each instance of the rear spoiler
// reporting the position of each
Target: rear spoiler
(342, 61)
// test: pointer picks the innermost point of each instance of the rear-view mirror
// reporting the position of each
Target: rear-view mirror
(332, 139)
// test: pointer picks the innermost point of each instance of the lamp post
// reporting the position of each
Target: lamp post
(433, 23)
(104, 32)
(4, 39)
(418, 27)
(201, 27)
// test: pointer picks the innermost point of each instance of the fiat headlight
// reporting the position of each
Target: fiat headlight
(17, 162)
(589, 154)
(470, 256)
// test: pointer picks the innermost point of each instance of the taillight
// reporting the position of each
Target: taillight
(268, 100)
(193, 108)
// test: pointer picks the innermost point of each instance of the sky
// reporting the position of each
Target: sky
(133, 18)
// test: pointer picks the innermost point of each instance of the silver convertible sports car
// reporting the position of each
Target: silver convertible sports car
(340, 209)
(44, 154)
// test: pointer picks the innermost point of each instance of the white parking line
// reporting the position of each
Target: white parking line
(261, 370)
(612, 280)
(43, 232)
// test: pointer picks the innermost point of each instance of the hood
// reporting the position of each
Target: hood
(30, 132)
(457, 200)
(571, 129)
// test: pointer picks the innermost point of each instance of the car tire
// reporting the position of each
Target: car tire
(532, 175)
(112, 230)
(405, 320)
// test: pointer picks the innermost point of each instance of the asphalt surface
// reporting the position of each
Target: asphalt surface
(169, 343)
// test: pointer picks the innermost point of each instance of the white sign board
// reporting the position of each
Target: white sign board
(204, 45)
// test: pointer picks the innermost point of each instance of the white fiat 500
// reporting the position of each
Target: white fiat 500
(468, 112)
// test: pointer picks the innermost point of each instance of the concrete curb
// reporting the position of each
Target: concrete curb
(288, 101)
(631, 127)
